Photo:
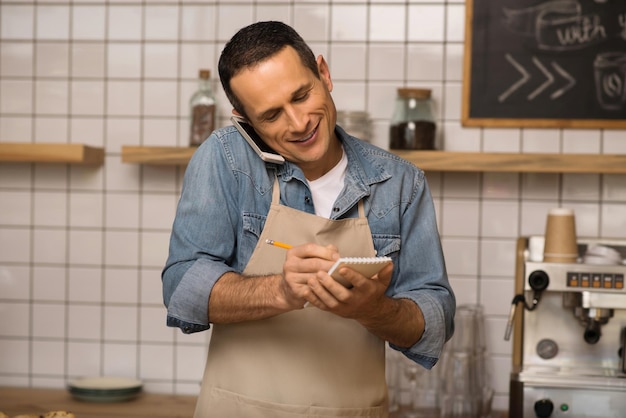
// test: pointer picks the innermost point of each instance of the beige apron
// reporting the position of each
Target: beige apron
(304, 363)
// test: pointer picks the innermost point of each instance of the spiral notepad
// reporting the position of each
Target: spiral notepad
(367, 266)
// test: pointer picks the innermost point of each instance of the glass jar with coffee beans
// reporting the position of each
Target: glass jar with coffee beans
(413, 122)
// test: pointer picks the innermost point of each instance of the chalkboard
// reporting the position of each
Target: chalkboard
(545, 63)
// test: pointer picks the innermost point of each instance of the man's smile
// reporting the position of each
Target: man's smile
(305, 138)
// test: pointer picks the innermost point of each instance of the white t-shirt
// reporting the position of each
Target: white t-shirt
(325, 189)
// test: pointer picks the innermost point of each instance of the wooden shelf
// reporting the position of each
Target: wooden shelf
(437, 160)
(157, 155)
(516, 163)
(50, 153)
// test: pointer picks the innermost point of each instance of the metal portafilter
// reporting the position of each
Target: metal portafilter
(593, 319)
(593, 331)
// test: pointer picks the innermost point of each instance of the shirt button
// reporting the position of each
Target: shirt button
(335, 209)
(187, 330)
(307, 199)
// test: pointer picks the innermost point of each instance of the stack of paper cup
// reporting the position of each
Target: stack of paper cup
(560, 238)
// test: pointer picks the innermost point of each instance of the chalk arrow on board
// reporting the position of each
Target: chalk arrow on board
(549, 79)
(519, 83)
(546, 84)
(565, 75)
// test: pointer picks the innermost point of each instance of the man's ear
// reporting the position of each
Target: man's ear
(322, 67)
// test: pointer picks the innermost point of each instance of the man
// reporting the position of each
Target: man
(287, 339)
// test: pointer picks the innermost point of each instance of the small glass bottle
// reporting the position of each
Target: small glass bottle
(202, 108)
(413, 122)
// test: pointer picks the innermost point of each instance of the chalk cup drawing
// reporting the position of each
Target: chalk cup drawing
(610, 79)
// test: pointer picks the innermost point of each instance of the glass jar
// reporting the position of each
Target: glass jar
(355, 123)
(413, 122)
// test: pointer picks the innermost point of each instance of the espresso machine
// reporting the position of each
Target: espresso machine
(568, 322)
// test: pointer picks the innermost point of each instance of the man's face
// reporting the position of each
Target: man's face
(292, 110)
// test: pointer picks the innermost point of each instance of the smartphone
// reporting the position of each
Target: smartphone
(258, 145)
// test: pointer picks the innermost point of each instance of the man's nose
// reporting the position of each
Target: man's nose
(298, 121)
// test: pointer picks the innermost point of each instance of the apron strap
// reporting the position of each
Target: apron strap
(276, 192)
(361, 209)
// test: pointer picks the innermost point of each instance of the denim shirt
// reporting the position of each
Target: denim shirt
(226, 196)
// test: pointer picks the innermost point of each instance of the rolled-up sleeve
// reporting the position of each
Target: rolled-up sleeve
(188, 305)
(421, 276)
(202, 240)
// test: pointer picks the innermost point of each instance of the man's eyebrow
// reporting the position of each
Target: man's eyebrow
(268, 112)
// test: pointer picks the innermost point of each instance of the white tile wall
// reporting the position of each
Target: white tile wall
(81, 248)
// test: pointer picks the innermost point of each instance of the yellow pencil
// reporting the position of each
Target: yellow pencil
(277, 244)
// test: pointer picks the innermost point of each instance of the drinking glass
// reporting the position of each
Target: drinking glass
(465, 391)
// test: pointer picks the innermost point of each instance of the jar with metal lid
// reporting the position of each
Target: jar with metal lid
(356, 123)
(413, 122)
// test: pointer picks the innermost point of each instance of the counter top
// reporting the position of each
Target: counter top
(15, 401)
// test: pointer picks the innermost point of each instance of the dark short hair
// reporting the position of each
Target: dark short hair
(256, 43)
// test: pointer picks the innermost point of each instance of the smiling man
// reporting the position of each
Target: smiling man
(287, 339)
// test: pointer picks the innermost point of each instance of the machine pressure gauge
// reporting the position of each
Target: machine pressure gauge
(547, 349)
